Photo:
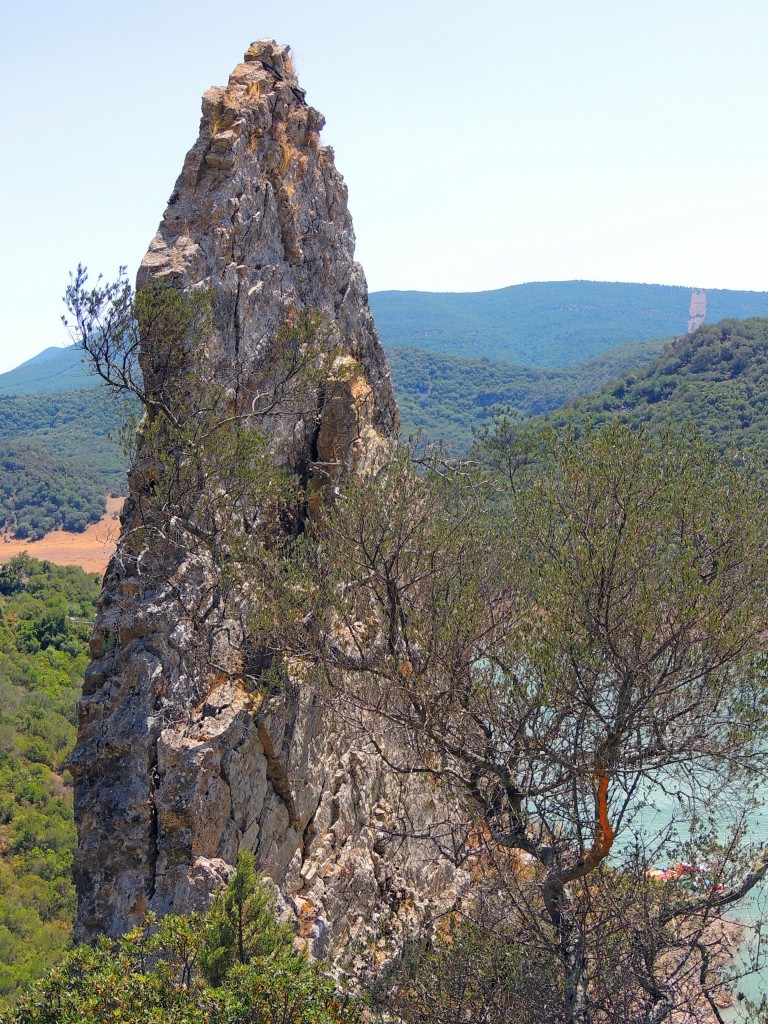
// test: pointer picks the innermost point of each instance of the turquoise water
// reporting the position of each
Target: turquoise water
(663, 813)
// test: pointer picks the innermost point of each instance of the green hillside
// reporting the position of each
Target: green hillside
(715, 380)
(54, 369)
(551, 323)
(446, 397)
(45, 623)
(554, 323)
(41, 491)
(456, 359)
(76, 425)
(59, 455)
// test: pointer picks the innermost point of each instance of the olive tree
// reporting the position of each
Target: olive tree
(560, 655)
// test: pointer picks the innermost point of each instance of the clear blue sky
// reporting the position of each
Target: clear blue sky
(484, 143)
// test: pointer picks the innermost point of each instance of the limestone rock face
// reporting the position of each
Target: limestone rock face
(179, 765)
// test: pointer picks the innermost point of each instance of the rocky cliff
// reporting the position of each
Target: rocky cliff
(178, 766)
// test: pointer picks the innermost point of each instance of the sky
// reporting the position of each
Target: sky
(484, 143)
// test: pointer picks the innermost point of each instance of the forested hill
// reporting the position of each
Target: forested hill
(553, 323)
(716, 380)
(45, 624)
(59, 455)
(456, 359)
(80, 425)
(40, 491)
(54, 369)
(448, 398)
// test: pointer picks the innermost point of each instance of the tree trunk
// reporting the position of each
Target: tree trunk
(559, 904)
(575, 963)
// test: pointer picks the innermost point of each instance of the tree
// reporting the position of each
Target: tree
(469, 972)
(242, 923)
(559, 656)
(153, 974)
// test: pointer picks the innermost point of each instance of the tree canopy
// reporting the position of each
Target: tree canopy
(714, 380)
(40, 492)
(555, 648)
(45, 623)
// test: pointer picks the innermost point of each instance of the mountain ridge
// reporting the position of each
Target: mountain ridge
(47, 371)
(502, 323)
(547, 323)
(447, 398)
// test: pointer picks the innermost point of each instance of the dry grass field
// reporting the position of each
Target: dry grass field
(91, 550)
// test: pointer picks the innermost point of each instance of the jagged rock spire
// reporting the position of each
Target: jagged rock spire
(177, 767)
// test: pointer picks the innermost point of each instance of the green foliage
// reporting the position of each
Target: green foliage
(556, 323)
(447, 398)
(60, 448)
(241, 924)
(40, 492)
(208, 472)
(152, 976)
(715, 380)
(547, 654)
(443, 389)
(81, 425)
(550, 644)
(45, 616)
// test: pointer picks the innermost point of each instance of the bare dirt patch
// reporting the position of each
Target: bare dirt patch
(91, 549)
(698, 310)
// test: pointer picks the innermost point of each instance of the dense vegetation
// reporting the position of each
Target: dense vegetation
(549, 653)
(441, 397)
(547, 324)
(40, 491)
(45, 622)
(553, 323)
(448, 398)
(185, 969)
(715, 380)
(469, 972)
(233, 965)
(587, 633)
(59, 439)
(80, 425)
(209, 969)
